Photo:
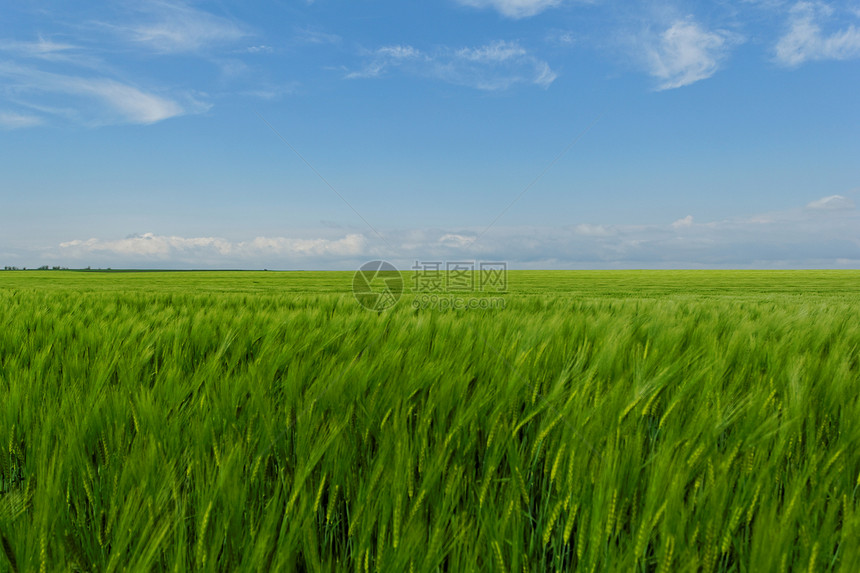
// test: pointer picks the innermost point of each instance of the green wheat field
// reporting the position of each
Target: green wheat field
(261, 421)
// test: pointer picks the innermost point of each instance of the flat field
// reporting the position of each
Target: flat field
(248, 421)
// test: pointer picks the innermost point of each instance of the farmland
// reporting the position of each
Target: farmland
(612, 420)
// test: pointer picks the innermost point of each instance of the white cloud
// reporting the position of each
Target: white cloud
(398, 52)
(352, 244)
(132, 104)
(46, 49)
(102, 100)
(513, 8)
(272, 92)
(686, 53)
(180, 28)
(12, 120)
(260, 49)
(492, 53)
(370, 70)
(831, 203)
(780, 239)
(456, 240)
(593, 230)
(384, 58)
(494, 66)
(792, 238)
(806, 41)
(149, 246)
(561, 37)
(684, 222)
(315, 36)
(92, 70)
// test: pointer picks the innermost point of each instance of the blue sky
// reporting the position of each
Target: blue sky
(544, 133)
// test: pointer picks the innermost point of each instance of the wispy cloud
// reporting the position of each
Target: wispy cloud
(132, 104)
(45, 53)
(259, 49)
(825, 233)
(792, 238)
(178, 27)
(41, 48)
(495, 66)
(80, 73)
(683, 222)
(492, 53)
(831, 203)
(590, 230)
(685, 53)
(385, 58)
(513, 8)
(315, 36)
(561, 38)
(150, 247)
(806, 40)
(67, 81)
(272, 92)
(101, 100)
(12, 120)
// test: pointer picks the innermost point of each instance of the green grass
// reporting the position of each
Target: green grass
(625, 421)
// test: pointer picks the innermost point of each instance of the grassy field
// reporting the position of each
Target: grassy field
(624, 421)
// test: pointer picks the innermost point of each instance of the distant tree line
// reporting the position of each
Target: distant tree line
(42, 268)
